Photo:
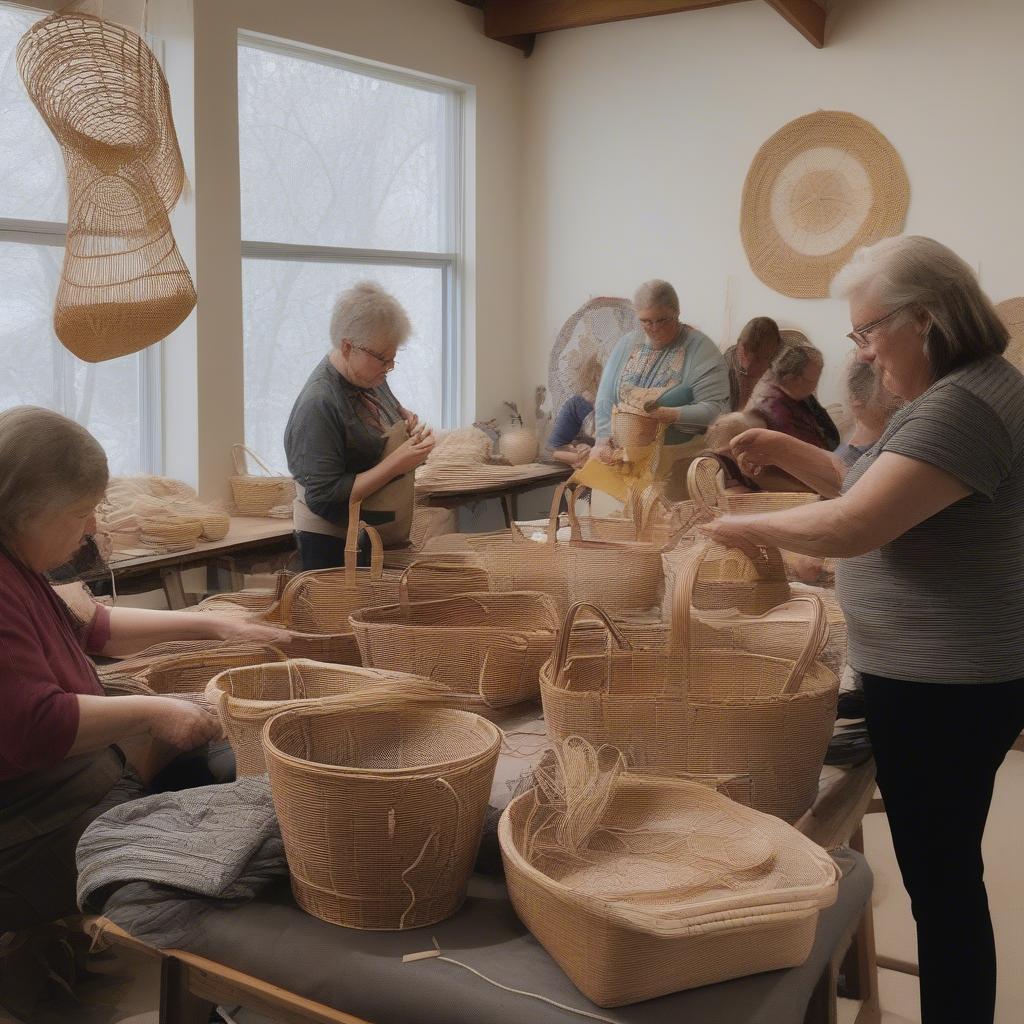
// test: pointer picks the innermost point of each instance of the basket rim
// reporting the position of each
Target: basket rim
(272, 751)
(534, 597)
(674, 920)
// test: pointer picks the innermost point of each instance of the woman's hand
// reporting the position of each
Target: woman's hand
(602, 451)
(754, 449)
(664, 414)
(412, 421)
(180, 723)
(731, 532)
(411, 453)
(240, 630)
(582, 453)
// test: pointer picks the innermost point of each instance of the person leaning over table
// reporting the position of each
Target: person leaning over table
(348, 437)
(929, 530)
(667, 357)
(65, 747)
(748, 360)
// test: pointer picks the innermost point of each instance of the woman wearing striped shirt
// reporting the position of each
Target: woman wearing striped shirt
(929, 530)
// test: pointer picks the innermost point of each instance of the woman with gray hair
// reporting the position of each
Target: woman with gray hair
(348, 438)
(676, 372)
(67, 750)
(929, 530)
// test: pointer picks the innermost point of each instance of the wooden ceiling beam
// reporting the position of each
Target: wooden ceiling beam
(806, 16)
(505, 18)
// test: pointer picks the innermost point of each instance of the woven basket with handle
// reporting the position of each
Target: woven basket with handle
(489, 646)
(246, 698)
(693, 709)
(702, 482)
(381, 803)
(639, 887)
(257, 495)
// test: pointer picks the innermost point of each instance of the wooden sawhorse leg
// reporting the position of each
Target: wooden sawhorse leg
(178, 1004)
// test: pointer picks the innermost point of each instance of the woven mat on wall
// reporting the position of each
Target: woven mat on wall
(1011, 312)
(819, 188)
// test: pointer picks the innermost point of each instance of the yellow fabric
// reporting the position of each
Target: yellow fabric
(652, 464)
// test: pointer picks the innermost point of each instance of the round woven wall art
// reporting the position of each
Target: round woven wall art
(1011, 312)
(819, 188)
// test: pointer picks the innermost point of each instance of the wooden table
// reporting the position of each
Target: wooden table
(248, 537)
(546, 475)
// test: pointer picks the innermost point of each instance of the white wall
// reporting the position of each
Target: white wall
(438, 37)
(639, 135)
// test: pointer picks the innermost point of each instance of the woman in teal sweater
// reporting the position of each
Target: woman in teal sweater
(664, 356)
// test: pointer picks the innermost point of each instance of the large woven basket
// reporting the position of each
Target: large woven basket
(647, 517)
(634, 429)
(688, 709)
(381, 808)
(257, 495)
(675, 886)
(247, 698)
(703, 486)
(489, 646)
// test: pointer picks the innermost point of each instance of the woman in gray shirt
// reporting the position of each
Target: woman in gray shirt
(929, 530)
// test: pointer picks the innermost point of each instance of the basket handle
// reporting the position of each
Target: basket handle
(241, 469)
(556, 504)
(702, 485)
(817, 637)
(574, 521)
(443, 569)
(352, 545)
(680, 636)
(561, 652)
(507, 654)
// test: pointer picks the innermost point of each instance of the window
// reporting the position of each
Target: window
(117, 400)
(348, 173)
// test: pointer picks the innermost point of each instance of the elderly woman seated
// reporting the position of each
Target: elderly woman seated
(748, 360)
(67, 751)
(676, 373)
(785, 400)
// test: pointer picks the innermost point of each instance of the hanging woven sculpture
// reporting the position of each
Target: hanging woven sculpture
(102, 93)
(819, 188)
(1011, 312)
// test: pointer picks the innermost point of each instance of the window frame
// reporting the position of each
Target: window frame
(449, 262)
(54, 233)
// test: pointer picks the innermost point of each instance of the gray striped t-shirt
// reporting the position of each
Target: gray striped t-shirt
(944, 602)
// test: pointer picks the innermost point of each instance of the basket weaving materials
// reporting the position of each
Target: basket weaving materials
(381, 805)
(102, 93)
(255, 495)
(157, 511)
(246, 698)
(819, 188)
(137, 665)
(490, 646)
(692, 709)
(639, 887)
(190, 673)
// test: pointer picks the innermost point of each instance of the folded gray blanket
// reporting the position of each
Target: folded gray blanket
(157, 864)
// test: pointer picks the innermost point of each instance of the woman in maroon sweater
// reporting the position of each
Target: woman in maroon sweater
(63, 743)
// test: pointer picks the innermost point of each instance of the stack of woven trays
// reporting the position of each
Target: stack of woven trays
(489, 647)
(381, 800)
(643, 886)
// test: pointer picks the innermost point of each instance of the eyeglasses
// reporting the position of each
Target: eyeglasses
(651, 324)
(859, 334)
(388, 364)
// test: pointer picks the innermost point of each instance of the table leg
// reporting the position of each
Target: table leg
(173, 589)
(510, 507)
(822, 1008)
(860, 965)
(177, 1004)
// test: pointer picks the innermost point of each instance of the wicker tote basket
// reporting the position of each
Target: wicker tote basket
(258, 495)
(488, 646)
(246, 698)
(381, 804)
(709, 499)
(639, 887)
(705, 711)
(634, 429)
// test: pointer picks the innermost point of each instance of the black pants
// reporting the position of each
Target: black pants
(319, 551)
(937, 748)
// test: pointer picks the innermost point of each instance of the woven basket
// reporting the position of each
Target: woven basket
(490, 646)
(688, 709)
(258, 495)
(381, 808)
(137, 665)
(675, 886)
(245, 699)
(190, 673)
(177, 532)
(519, 446)
(245, 603)
(708, 498)
(634, 429)
(647, 517)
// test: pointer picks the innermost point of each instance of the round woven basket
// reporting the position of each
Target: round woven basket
(701, 710)
(676, 886)
(519, 446)
(257, 495)
(632, 429)
(381, 809)
(247, 698)
(819, 188)
(190, 673)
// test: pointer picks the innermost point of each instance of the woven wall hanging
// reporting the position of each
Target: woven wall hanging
(819, 188)
(1011, 312)
(102, 93)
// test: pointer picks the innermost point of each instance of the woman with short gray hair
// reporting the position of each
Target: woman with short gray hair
(671, 368)
(929, 530)
(66, 749)
(348, 437)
